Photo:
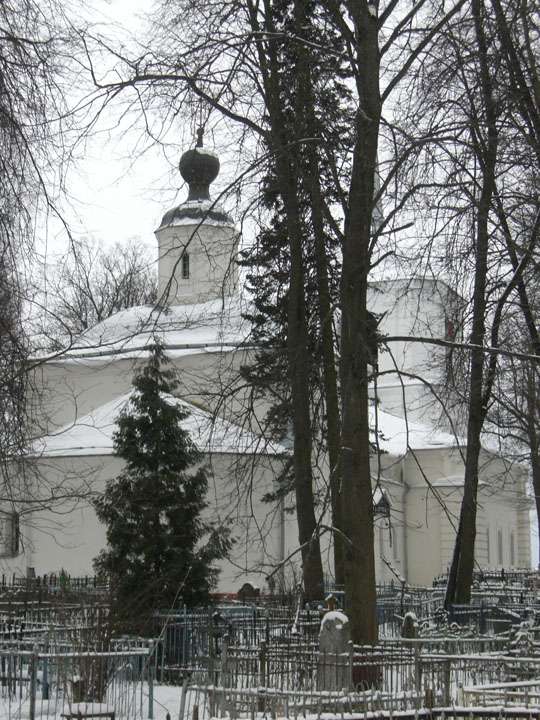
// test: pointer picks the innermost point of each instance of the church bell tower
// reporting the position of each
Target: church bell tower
(197, 240)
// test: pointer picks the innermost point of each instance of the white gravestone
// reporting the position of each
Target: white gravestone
(334, 639)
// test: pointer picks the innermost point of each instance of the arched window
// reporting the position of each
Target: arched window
(185, 266)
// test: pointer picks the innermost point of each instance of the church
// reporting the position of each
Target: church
(49, 524)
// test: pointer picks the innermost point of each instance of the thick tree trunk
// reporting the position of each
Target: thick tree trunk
(299, 373)
(357, 497)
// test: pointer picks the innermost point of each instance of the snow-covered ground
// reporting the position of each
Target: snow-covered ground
(133, 705)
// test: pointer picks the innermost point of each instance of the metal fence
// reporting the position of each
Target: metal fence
(299, 680)
(48, 685)
(187, 635)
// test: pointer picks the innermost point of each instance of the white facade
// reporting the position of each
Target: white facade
(196, 259)
(412, 385)
(200, 323)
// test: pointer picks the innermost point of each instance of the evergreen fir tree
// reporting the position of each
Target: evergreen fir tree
(267, 261)
(159, 549)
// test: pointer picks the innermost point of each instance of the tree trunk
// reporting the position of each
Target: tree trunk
(308, 123)
(461, 571)
(299, 372)
(297, 331)
(357, 496)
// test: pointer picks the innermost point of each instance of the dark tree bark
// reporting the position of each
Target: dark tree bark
(287, 172)
(357, 503)
(311, 131)
(461, 571)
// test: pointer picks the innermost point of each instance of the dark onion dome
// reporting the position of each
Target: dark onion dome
(199, 167)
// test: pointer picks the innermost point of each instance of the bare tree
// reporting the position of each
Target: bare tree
(95, 283)
(236, 60)
(471, 171)
(32, 151)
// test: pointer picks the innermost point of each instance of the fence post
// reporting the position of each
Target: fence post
(262, 674)
(417, 669)
(446, 682)
(150, 691)
(45, 681)
(33, 683)
(262, 664)
(183, 698)
(225, 661)
(211, 663)
(185, 660)
(351, 665)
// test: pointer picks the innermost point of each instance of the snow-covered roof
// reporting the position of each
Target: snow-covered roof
(396, 435)
(92, 434)
(196, 212)
(453, 481)
(216, 325)
(414, 282)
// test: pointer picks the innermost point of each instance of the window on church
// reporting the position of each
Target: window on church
(9, 534)
(488, 549)
(512, 549)
(500, 547)
(185, 266)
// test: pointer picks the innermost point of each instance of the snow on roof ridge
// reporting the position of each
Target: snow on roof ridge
(398, 434)
(413, 278)
(215, 323)
(92, 433)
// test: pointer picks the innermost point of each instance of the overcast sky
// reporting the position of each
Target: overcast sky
(114, 193)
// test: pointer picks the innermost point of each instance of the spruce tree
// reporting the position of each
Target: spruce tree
(159, 548)
(314, 127)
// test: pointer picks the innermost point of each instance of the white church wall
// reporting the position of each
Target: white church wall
(390, 538)
(72, 389)
(413, 307)
(432, 463)
(236, 491)
(413, 400)
(524, 539)
(69, 536)
(64, 534)
(433, 500)
(213, 272)
(422, 516)
(496, 544)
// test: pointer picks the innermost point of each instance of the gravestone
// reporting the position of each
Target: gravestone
(249, 592)
(334, 672)
(409, 626)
